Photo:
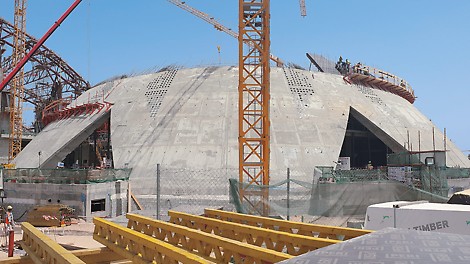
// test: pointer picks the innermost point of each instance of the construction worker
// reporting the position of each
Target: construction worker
(9, 220)
(10, 223)
(402, 84)
(358, 68)
(339, 63)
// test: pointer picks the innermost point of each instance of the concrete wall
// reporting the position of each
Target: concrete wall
(115, 194)
(24, 196)
(4, 129)
(4, 148)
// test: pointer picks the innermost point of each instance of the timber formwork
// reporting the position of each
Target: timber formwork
(189, 239)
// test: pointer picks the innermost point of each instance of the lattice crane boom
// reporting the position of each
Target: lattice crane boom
(204, 16)
(217, 25)
(303, 8)
(17, 85)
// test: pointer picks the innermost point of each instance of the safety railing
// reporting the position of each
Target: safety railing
(377, 73)
(210, 246)
(138, 247)
(304, 229)
(377, 78)
(43, 249)
(65, 110)
(50, 112)
(293, 244)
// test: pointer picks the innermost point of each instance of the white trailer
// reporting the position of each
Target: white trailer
(420, 215)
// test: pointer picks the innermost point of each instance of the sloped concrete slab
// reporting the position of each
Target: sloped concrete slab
(58, 139)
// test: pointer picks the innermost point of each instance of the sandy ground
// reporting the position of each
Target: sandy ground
(79, 235)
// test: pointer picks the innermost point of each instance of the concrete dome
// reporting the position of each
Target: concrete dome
(187, 118)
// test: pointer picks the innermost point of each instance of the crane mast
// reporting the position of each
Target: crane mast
(17, 85)
(254, 100)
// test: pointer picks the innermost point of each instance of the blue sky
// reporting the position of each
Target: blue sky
(427, 42)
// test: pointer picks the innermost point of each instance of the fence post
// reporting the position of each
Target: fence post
(395, 206)
(158, 191)
(129, 196)
(288, 194)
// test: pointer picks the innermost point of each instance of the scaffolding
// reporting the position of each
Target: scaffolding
(47, 77)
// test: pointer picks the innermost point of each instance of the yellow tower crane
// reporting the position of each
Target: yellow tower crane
(17, 84)
(253, 102)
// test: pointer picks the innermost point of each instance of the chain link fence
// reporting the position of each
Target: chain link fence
(342, 193)
(180, 187)
(318, 193)
(183, 190)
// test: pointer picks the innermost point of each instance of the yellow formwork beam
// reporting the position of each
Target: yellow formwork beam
(215, 248)
(89, 256)
(138, 247)
(305, 229)
(293, 244)
(98, 255)
(42, 249)
(17, 260)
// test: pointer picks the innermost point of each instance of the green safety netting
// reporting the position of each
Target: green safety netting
(340, 193)
(64, 176)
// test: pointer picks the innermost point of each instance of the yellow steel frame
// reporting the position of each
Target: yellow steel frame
(17, 84)
(305, 229)
(94, 255)
(139, 247)
(42, 249)
(293, 244)
(254, 99)
(210, 246)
